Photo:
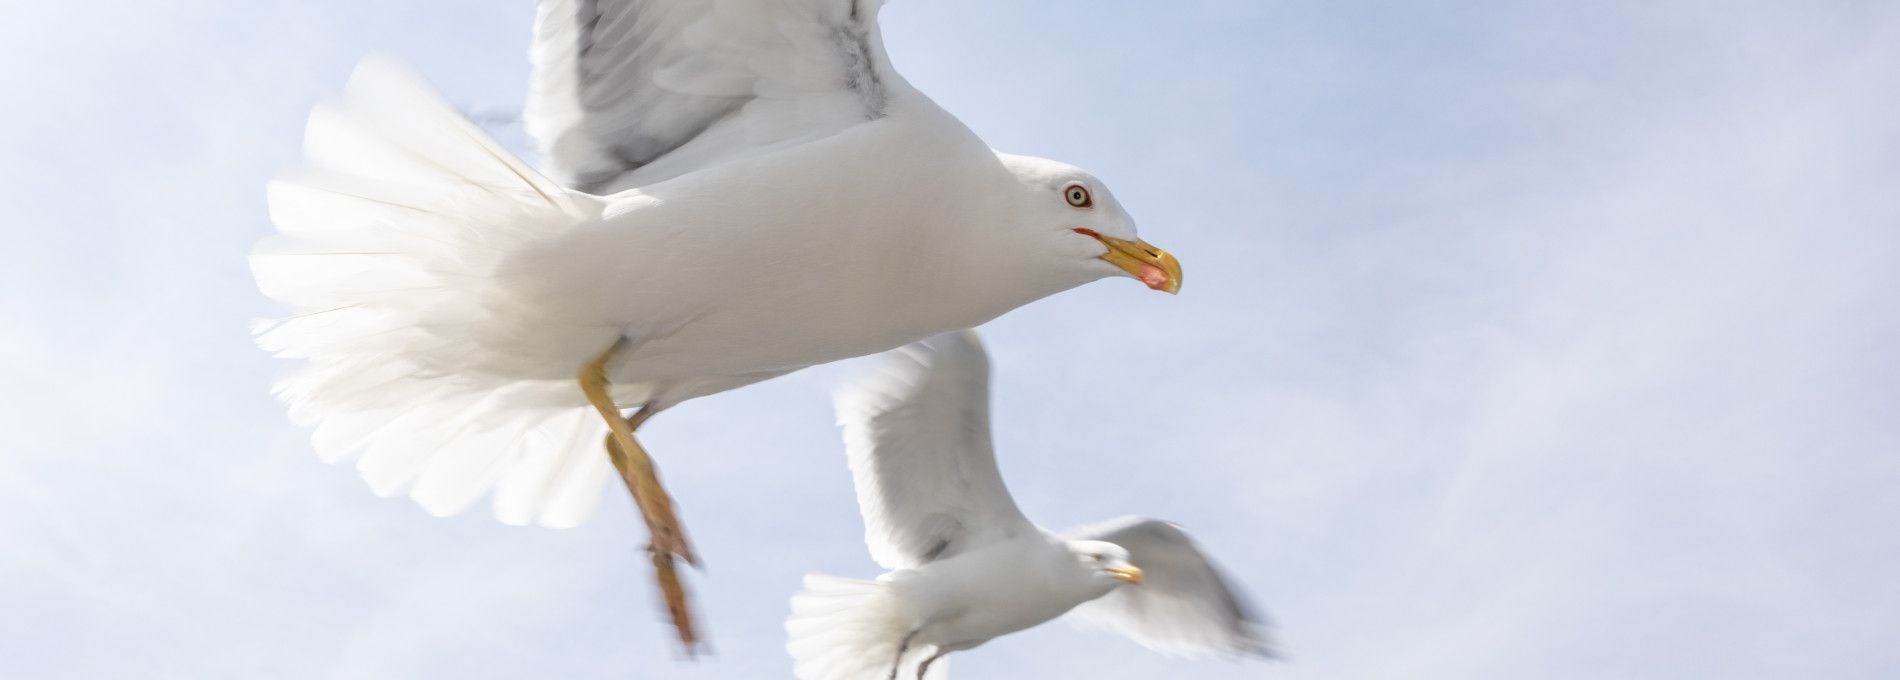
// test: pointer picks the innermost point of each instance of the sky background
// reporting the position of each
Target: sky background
(1519, 340)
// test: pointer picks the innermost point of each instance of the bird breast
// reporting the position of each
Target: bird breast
(995, 591)
(836, 248)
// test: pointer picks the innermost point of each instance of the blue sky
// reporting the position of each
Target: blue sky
(1519, 339)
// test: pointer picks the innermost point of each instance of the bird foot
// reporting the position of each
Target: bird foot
(673, 594)
(924, 667)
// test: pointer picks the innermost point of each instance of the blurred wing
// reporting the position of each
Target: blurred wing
(630, 92)
(1182, 605)
(917, 433)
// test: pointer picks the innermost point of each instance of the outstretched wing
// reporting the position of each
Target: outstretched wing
(917, 433)
(630, 92)
(1182, 605)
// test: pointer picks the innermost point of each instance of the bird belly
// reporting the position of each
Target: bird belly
(992, 592)
(994, 611)
(777, 264)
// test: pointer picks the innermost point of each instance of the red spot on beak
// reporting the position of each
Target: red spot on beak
(1154, 277)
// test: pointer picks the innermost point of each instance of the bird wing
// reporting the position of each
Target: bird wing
(917, 434)
(630, 92)
(1182, 606)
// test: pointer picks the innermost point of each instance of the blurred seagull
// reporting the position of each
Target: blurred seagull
(736, 189)
(967, 566)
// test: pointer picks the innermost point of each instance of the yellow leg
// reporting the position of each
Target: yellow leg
(668, 540)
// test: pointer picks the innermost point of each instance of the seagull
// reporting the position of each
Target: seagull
(966, 565)
(733, 190)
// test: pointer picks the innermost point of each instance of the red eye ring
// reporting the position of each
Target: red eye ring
(1078, 196)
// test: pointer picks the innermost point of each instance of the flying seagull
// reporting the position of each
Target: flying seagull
(735, 189)
(967, 566)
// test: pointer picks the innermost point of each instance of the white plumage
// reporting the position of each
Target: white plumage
(967, 567)
(388, 245)
(917, 436)
(745, 188)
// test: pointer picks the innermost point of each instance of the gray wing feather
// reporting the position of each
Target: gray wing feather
(917, 435)
(621, 85)
(1183, 606)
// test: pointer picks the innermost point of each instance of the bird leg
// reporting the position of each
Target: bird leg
(642, 478)
(637, 470)
(925, 666)
(901, 648)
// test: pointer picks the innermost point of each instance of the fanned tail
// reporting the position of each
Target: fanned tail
(388, 257)
(850, 629)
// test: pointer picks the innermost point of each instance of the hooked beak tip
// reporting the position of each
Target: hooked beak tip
(1154, 267)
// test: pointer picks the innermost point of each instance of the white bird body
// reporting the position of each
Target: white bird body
(771, 196)
(967, 567)
(998, 589)
(797, 281)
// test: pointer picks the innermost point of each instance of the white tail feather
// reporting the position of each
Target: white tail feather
(850, 629)
(388, 256)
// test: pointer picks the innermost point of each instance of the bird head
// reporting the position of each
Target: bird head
(1106, 562)
(1070, 212)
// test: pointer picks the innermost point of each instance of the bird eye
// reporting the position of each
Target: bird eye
(1078, 196)
(1095, 557)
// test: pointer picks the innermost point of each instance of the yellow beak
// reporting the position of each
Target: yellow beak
(1130, 574)
(1152, 265)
